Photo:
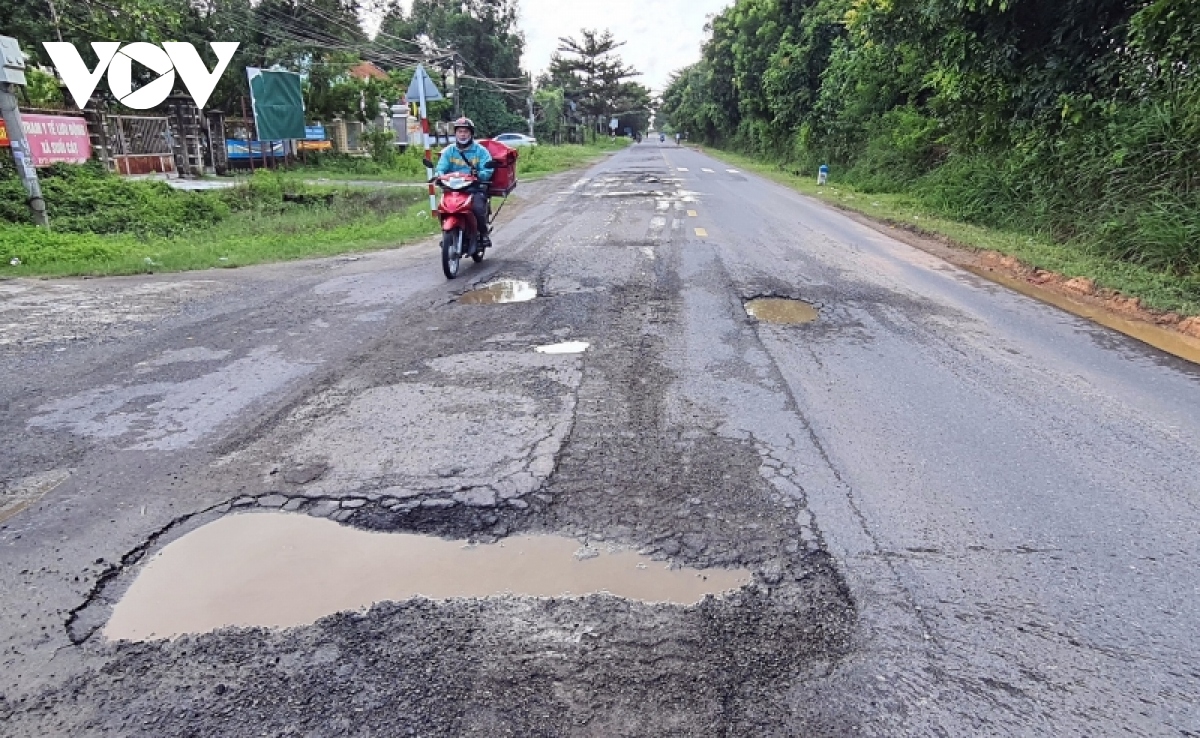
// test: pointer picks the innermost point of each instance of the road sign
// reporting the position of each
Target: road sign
(423, 90)
(422, 87)
(613, 124)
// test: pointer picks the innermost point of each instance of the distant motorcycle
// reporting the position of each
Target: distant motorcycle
(662, 138)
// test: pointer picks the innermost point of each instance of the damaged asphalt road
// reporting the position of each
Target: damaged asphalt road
(963, 512)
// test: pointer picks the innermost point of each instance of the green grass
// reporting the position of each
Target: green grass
(1158, 290)
(354, 222)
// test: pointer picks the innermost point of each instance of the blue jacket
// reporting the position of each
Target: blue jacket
(455, 160)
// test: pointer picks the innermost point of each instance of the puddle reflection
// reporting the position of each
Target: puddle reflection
(781, 310)
(282, 570)
(501, 291)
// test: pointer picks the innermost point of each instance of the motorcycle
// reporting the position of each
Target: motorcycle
(662, 138)
(460, 231)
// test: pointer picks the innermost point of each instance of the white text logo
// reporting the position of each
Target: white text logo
(174, 56)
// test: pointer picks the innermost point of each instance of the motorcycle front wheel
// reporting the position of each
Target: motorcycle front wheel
(451, 252)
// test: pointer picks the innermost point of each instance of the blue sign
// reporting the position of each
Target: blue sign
(240, 148)
(314, 133)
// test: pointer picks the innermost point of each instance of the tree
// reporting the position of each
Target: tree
(593, 76)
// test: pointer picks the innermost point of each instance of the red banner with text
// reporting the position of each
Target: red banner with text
(54, 138)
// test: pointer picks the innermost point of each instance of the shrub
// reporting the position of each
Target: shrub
(87, 199)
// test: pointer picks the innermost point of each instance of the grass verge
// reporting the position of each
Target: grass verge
(350, 222)
(1157, 290)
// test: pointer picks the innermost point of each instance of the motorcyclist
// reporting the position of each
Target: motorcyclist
(466, 156)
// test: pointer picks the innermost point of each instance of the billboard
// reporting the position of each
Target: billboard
(54, 138)
(278, 104)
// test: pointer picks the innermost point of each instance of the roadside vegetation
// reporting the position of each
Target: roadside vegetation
(104, 224)
(1064, 134)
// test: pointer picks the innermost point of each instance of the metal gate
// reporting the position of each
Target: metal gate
(140, 145)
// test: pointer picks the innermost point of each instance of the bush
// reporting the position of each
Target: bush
(900, 149)
(381, 143)
(87, 199)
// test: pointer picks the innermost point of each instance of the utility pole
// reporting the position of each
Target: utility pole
(457, 87)
(530, 100)
(54, 17)
(12, 73)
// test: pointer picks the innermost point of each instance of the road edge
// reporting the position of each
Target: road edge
(1172, 333)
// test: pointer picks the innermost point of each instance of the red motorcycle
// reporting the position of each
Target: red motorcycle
(460, 231)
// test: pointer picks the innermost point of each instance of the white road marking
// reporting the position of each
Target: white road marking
(707, 170)
(733, 171)
(681, 169)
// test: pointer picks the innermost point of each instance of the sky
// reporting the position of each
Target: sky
(661, 35)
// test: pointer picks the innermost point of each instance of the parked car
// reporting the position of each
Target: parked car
(515, 140)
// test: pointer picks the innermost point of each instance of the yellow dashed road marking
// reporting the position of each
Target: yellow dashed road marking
(701, 232)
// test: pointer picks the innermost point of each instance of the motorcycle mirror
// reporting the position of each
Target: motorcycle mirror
(427, 163)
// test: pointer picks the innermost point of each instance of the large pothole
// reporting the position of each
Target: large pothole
(500, 292)
(284, 570)
(781, 310)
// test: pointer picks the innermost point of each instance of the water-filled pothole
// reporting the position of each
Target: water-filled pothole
(501, 291)
(282, 570)
(781, 310)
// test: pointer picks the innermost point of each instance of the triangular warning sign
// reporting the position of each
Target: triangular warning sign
(422, 83)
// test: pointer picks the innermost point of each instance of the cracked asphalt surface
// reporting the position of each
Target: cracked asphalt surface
(967, 513)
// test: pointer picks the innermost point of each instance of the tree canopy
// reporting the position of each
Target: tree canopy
(594, 77)
(1078, 117)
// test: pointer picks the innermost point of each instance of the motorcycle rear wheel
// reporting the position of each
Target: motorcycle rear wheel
(451, 252)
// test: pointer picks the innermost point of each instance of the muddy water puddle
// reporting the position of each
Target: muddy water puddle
(499, 292)
(781, 310)
(282, 570)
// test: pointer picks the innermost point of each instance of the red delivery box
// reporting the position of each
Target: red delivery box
(504, 176)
